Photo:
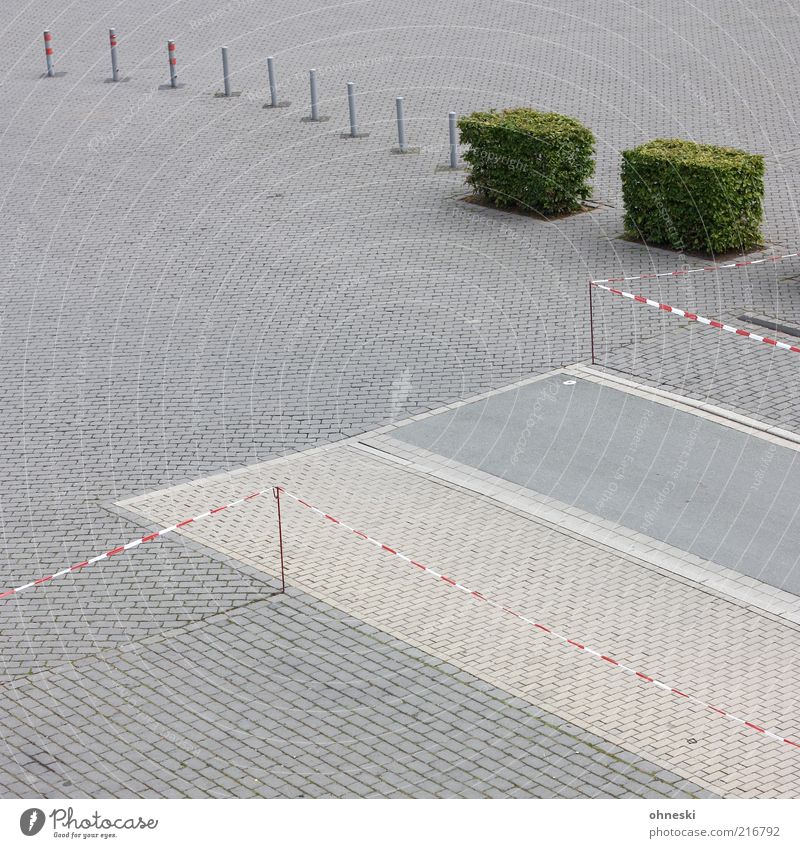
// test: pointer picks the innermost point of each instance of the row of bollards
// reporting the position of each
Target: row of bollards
(115, 69)
(274, 102)
(112, 41)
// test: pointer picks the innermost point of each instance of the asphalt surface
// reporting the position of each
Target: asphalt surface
(704, 487)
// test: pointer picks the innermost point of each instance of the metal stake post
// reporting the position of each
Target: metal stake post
(591, 319)
(277, 494)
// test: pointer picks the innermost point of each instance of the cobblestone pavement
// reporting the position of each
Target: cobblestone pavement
(291, 698)
(666, 352)
(676, 632)
(192, 284)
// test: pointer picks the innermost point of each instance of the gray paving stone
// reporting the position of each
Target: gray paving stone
(147, 340)
(286, 745)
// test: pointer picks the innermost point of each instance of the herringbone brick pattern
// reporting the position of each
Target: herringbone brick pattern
(679, 633)
(191, 285)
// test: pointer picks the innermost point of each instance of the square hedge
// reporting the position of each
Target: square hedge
(692, 196)
(538, 161)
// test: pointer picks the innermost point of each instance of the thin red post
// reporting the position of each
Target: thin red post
(277, 494)
(591, 319)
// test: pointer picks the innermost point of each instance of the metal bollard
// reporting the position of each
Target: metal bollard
(401, 125)
(112, 38)
(351, 106)
(452, 164)
(226, 75)
(312, 76)
(274, 103)
(173, 65)
(315, 117)
(273, 86)
(48, 53)
(173, 69)
(402, 146)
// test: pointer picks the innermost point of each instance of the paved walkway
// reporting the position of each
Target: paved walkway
(674, 631)
(289, 697)
(192, 285)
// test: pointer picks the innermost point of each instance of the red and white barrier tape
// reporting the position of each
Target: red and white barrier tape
(699, 318)
(686, 271)
(478, 596)
(150, 537)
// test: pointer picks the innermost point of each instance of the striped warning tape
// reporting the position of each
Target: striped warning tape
(683, 272)
(699, 318)
(150, 537)
(549, 631)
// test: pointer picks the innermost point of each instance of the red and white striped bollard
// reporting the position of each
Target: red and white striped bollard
(173, 65)
(48, 52)
(112, 39)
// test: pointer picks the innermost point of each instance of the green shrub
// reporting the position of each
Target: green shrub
(536, 161)
(693, 196)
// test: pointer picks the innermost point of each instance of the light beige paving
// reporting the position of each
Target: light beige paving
(666, 626)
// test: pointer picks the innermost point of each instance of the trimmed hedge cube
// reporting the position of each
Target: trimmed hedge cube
(692, 196)
(536, 161)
